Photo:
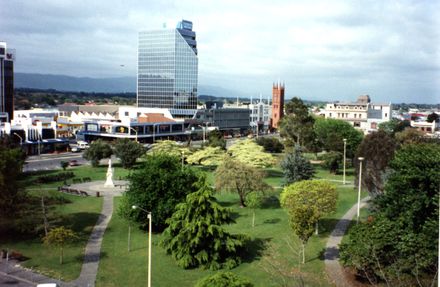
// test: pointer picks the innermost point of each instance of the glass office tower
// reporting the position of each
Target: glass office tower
(167, 70)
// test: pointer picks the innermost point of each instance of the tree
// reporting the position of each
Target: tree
(216, 139)
(270, 144)
(393, 126)
(128, 152)
(194, 236)
(432, 117)
(297, 123)
(158, 186)
(60, 236)
(332, 160)
(402, 235)
(296, 167)
(98, 150)
(233, 175)
(306, 202)
(331, 134)
(208, 156)
(171, 148)
(250, 153)
(409, 136)
(378, 149)
(280, 267)
(64, 164)
(254, 200)
(12, 195)
(126, 212)
(224, 279)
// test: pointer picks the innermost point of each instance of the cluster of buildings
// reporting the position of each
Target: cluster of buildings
(362, 114)
(166, 106)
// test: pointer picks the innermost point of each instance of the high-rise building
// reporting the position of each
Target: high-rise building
(167, 70)
(7, 57)
(277, 104)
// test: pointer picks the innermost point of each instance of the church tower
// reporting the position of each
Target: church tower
(277, 104)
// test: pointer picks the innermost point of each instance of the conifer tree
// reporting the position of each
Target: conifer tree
(296, 167)
(195, 236)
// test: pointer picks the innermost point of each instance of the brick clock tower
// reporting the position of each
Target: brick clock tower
(277, 105)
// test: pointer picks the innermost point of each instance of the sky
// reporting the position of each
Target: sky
(321, 50)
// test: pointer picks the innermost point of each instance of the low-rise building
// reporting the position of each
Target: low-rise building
(229, 120)
(362, 114)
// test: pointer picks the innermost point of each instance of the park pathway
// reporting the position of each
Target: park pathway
(92, 254)
(334, 270)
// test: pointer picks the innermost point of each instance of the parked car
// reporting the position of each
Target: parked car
(75, 149)
(83, 145)
(73, 162)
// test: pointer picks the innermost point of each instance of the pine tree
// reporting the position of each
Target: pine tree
(195, 237)
(296, 167)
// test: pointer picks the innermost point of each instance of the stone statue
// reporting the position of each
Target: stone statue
(109, 180)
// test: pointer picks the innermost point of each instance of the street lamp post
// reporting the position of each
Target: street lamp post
(154, 132)
(359, 189)
(149, 241)
(258, 129)
(21, 139)
(345, 152)
(204, 133)
(135, 132)
(39, 145)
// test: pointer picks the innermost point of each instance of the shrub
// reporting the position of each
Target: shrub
(270, 144)
(224, 279)
(55, 177)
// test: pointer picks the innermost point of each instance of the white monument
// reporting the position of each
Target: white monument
(109, 180)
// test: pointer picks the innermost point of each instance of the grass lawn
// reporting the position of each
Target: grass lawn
(79, 214)
(119, 267)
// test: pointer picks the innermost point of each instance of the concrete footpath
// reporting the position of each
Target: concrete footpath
(92, 254)
(334, 270)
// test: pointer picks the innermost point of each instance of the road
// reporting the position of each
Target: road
(6, 280)
(51, 161)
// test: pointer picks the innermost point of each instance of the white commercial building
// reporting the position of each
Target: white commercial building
(260, 116)
(362, 114)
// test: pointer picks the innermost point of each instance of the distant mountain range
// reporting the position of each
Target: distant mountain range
(100, 85)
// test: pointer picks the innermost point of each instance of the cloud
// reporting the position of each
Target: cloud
(321, 49)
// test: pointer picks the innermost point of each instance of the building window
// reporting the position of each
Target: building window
(126, 114)
(386, 114)
(357, 124)
(330, 115)
(374, 125)
(355, 115)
